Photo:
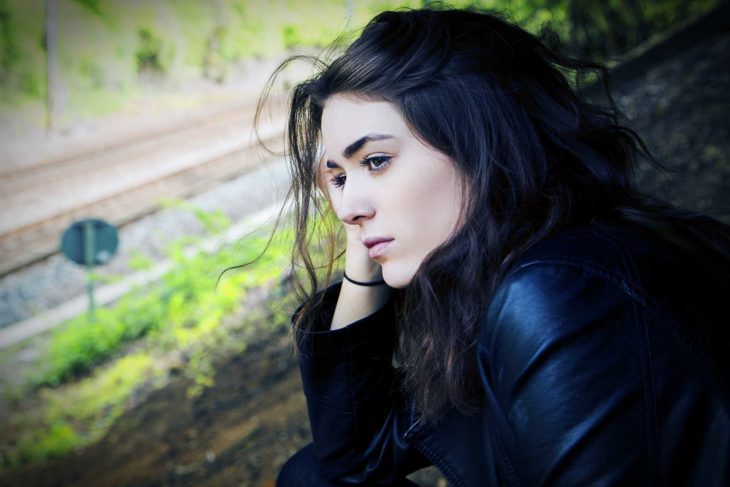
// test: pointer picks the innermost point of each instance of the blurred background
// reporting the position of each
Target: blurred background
(130, 122)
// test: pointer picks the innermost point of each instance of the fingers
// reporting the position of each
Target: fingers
(353, 232)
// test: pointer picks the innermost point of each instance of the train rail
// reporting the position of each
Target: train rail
(125, 180)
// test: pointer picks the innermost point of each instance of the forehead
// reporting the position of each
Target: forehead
(346, 118)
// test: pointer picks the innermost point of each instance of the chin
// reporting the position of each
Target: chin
(396, 278)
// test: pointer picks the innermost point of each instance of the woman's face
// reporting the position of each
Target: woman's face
(380, 177)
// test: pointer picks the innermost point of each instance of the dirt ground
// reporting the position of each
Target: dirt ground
(241, 431)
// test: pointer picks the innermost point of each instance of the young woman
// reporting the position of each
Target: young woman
(512, 310)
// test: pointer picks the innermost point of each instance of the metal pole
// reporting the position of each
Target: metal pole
(51, 62)
(89, 247)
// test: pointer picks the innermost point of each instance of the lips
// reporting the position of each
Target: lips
(370, 242)
(376, 246)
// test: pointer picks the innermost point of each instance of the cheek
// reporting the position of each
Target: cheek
(437, 211)
(335, 198)
(425, 214)
(332, 194)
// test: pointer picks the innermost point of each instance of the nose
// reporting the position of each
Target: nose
(355, 205)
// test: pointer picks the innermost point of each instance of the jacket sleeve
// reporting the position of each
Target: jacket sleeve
(564, 361)
(357, 412)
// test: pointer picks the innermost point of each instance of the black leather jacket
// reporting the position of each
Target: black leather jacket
(604, 358)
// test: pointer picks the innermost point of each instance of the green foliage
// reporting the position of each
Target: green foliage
(30, 83)
(22, 71)
(91, 369)
(139, 261)
(149, 52)
(91, 372)
(38, 445)
(95, 402)
(94, 6)
(82, 344)
(103, 46)
(9, 51)
(292, 36)
(214, 62)
(663, 14)
(180, 307)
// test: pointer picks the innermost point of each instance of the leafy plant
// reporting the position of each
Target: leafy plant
(93, 6)
(94, 371)
(149, 52)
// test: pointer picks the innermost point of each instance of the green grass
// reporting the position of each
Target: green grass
(175, 311)
(82, 412)
(90, 371)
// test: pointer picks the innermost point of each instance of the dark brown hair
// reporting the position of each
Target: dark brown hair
(538, 157)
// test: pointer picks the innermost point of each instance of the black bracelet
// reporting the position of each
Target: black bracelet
(375, 283)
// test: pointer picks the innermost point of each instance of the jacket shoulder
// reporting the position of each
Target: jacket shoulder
(578, 356)
(676, 277)
(654, 264)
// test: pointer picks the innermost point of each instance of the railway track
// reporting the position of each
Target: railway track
(125, 180)
(40, 159)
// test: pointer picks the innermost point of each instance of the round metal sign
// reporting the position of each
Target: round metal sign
(90, 242)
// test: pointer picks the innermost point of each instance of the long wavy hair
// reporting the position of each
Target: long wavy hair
(538, 158)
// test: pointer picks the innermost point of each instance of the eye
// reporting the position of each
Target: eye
(338, 181)
(376, 163)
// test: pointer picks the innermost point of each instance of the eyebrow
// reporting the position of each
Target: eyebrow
(356, 146)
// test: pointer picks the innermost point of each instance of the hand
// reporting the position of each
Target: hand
(355, 302)
(358, 264)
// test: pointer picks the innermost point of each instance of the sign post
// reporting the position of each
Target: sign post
(90, 243)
